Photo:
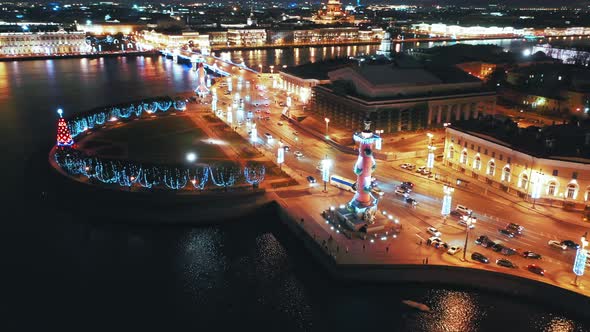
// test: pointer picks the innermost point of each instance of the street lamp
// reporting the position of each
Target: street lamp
(326, 163)
(379, 142)
(539, 181)
(271, 68)
(260, 68)
(446, 203)
(469, 220)
(327, 122)
(191, 157)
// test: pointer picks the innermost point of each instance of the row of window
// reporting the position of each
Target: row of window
(551, 185)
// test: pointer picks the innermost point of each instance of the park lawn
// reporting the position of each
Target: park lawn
(165, 139)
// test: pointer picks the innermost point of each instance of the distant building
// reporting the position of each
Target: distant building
(186, 38)
(385, 47)
(478, 69)
(326, 35)
(110, 28)
(550, 164)
(398, 96)
(43, 43)
(332, 13)
(246, 37)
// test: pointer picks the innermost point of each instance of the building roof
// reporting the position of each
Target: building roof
(318, 70)
(561, 141)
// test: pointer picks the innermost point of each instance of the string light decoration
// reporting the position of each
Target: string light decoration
(64, 138)
(254, 174)
(224, 176)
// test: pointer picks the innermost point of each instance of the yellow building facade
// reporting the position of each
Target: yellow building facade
(498, 164)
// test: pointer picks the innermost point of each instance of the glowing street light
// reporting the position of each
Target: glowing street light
(431, 148)
(272, 69)
(327, 123)
(260, 68)
(446, 203)
(326, 164)
(281, 155)
(580, 259)
(191, 157)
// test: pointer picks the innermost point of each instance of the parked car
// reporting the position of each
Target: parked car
(489, 244)
(279, 123)
(570, 244)
(479, 257)
(482, 239)
(506, 232)
(268, 135)
(425, 172)
(311, 179)
(453, 250)
(298, 154)
(411, 201)
(557, 244)
(431, 239)
(420, 169)
(516, 228)
(506, 263)
(536, 269)
(497, 247)
(286, 148)
(508, 251)
(463, 209)
(456, 214)
(405, 165)
(530, 254)
(434, 231)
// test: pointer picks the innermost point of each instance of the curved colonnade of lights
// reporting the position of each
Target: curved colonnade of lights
(127, 173)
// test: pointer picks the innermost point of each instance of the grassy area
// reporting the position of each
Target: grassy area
(166, 139)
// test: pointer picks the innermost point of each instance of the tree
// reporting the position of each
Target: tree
(254, 174)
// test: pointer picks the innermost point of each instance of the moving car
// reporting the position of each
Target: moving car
(463, 222)
(508, 251)
(411, 201)
(530, 254)
(407, 185)
(570, 244)
(268, 135)
(420, 169)
(506, 232)
(488, 244)
(279, 123)
(377, 191)
(536, 269)
(400, 192)
(463, 209)
(516, 228)
(298, 154)
(432, 239)
(497, 247)
(480, 258)
(505, 263)
(453, 250)
(434, 231)
(311, 179)
(456, 214)
(557, 244)
(405, 165)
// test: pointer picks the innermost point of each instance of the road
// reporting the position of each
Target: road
(493, 212)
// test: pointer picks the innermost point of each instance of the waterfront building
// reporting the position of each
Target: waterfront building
(186, 38)
(246, 37)
(325, 35)
(109, 28)
(550, 164)
(217, 37)
(479, 69)
(399, 96)
(385, 47)
(43, 43)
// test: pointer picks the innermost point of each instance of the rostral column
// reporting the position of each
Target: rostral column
(363, 203)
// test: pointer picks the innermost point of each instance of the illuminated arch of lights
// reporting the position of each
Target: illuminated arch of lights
(127, 173)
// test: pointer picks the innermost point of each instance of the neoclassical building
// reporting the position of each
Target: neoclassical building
(546, 164)
(43, 43)
(400, 97)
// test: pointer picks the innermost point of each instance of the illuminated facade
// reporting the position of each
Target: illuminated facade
(478, 69)
(246, 37)
(111, 29)
(43, 43)
(511, 168)
(173, 41)
(444, 30)
(400, 99)
(332, 13)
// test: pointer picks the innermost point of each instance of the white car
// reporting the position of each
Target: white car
(377, 191)
(433, 231)
(463, 209)
(463, 221)
(405, 165)
(453, 250)
(298, 154)
(557, 244)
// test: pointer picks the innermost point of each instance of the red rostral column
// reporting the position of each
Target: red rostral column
(364, 203)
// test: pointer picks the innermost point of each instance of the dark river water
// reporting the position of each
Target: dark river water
(68, 268)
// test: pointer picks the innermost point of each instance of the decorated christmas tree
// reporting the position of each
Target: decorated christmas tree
(64, 138)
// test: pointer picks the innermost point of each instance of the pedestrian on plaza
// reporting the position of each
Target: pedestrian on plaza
(363, 247)
(330, 238)
(387, 249)
(426, 260)
(347, 250)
